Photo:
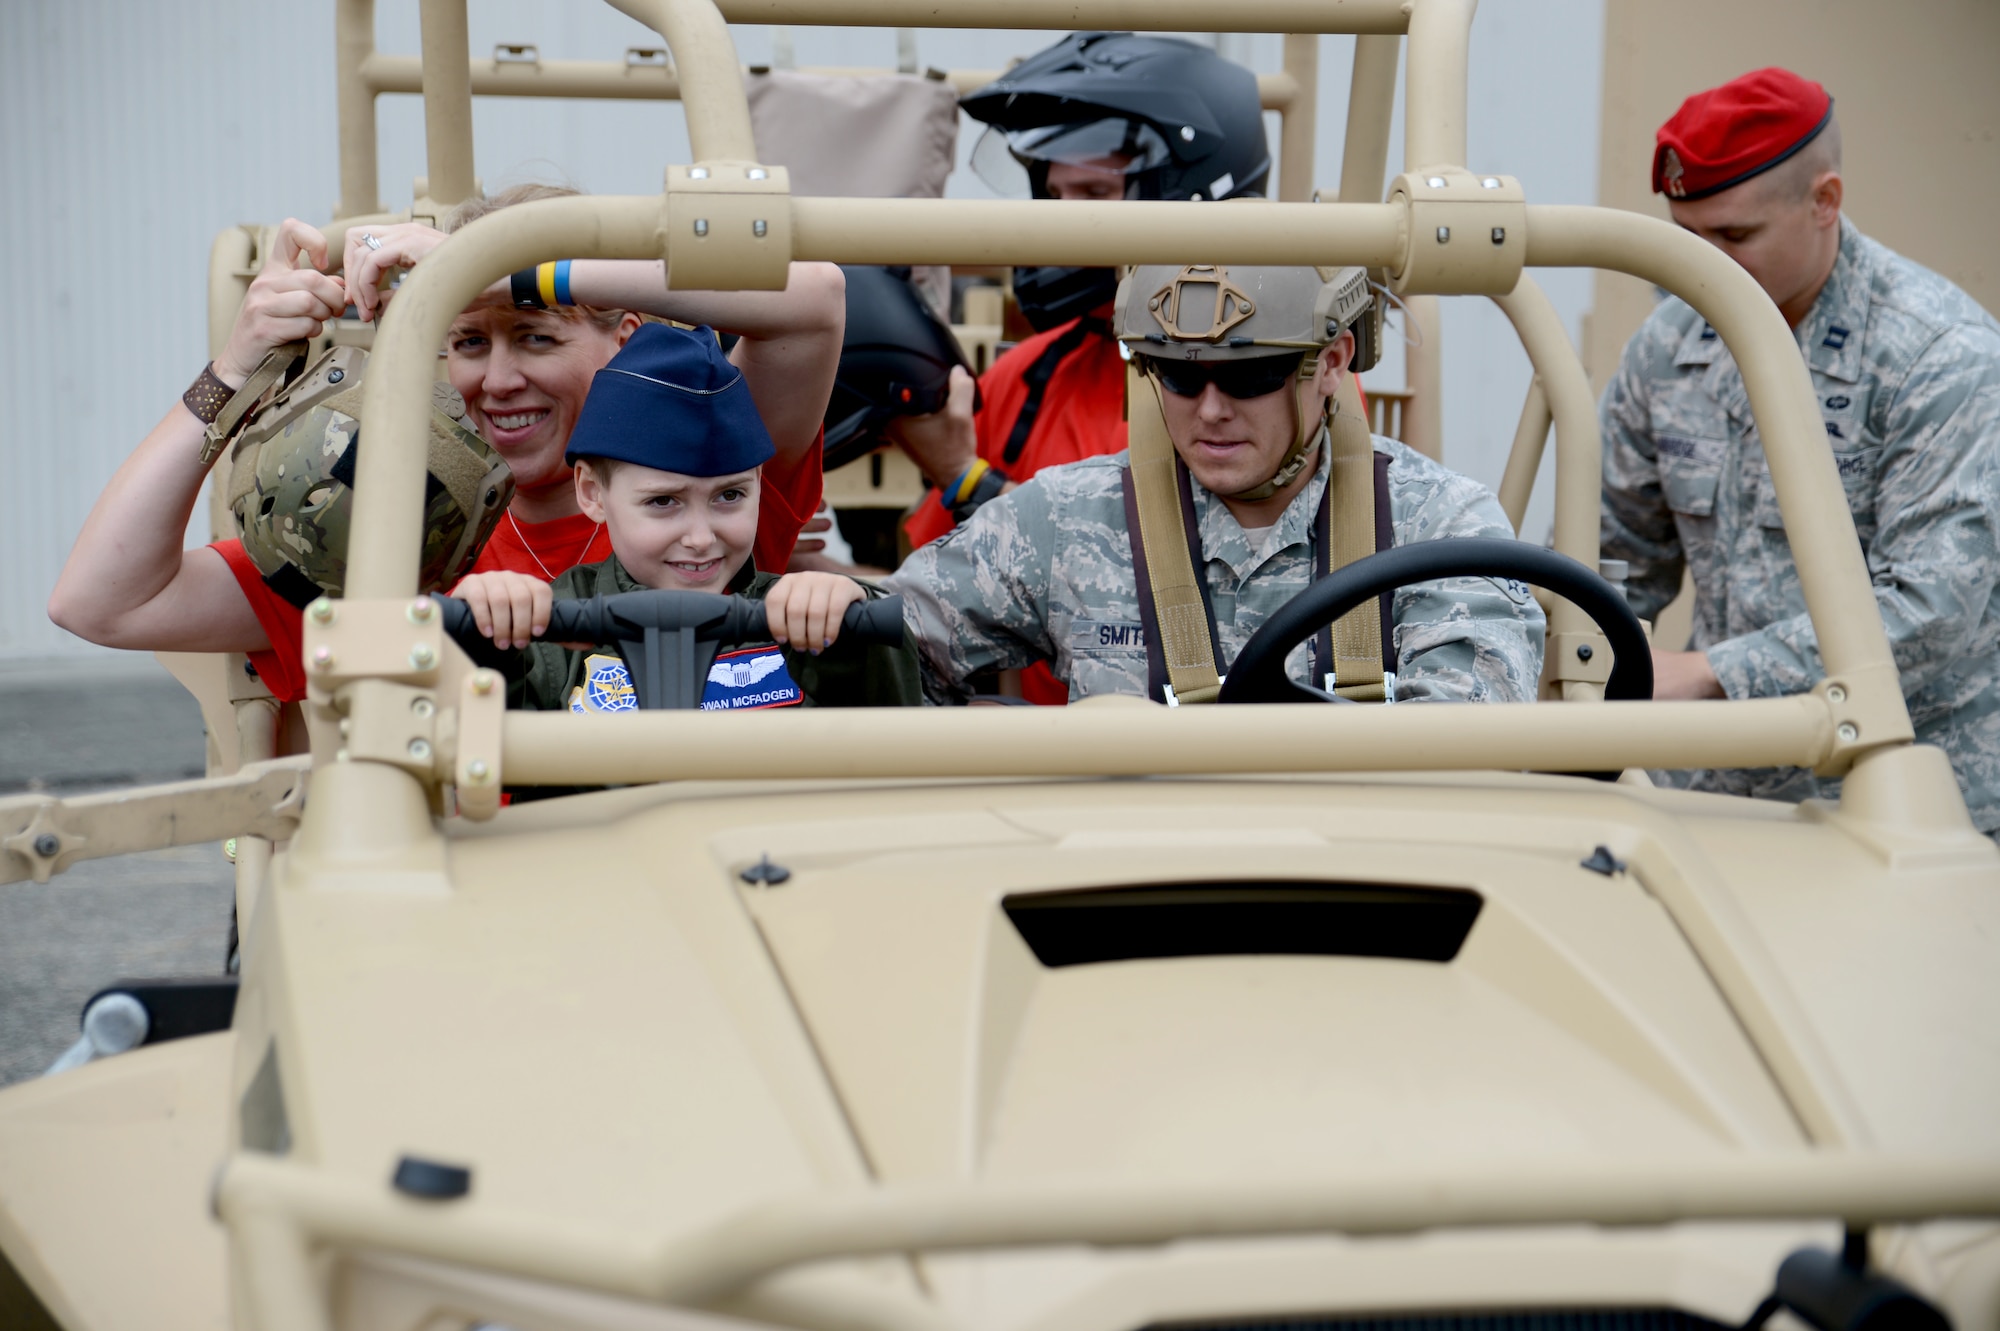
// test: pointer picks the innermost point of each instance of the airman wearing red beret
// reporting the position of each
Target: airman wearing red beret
(1907, 368)
(1753, 167)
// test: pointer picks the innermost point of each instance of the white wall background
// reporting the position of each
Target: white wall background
(134, 132)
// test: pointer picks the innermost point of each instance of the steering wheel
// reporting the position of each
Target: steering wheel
(1258, 674)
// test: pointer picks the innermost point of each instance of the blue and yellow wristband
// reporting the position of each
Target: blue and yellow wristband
(539, 287)
(960, 490)
(976, 485)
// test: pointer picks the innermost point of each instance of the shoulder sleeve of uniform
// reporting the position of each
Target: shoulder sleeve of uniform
(1428, 500)
(1958, 366)
(977, 597)
(1656, 344)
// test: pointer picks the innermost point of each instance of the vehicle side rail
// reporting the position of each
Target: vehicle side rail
(42, 835)
(279, 1214)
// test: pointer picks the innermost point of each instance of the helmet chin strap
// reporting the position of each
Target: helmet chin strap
(1297, 457)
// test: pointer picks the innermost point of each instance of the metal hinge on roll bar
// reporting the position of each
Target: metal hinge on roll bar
(1863, 705)
(406, 695)
(1468, 234)
(728, 227)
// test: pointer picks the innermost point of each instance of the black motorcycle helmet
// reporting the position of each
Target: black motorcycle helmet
(895, 360)
(1184, 122)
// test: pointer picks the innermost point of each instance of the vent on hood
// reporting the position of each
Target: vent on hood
(1529, 1319)
(1264, 918)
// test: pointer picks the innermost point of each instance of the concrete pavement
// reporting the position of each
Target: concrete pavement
(92, 724)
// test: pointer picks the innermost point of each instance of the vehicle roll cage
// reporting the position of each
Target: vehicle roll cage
(415, 728)
(727, 222)
(404, 725)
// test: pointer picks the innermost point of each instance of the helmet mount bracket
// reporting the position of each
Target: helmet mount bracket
(1229, 305)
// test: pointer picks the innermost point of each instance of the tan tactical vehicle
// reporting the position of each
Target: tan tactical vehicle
(1019, 1020)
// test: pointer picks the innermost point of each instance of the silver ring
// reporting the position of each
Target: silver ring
(368, 239)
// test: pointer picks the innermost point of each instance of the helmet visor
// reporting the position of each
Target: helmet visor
(1114, 145)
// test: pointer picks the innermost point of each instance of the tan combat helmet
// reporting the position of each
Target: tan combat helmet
(292, 483)
(1213, 312)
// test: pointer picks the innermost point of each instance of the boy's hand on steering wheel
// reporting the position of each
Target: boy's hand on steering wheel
(804, 610)
(286, 303)
(510, 608)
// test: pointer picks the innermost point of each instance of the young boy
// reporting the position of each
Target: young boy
(668, 449)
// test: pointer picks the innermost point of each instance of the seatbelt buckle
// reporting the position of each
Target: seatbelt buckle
(1388, 687)
(1168, 690)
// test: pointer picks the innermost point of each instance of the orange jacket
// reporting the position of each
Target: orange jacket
(1080, 412)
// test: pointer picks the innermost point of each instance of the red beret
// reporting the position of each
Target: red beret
(1726, 135)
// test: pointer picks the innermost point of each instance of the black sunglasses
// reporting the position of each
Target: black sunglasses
(1240, 379)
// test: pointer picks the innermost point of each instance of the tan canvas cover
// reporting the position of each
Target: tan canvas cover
(887, 136)
(890, 136)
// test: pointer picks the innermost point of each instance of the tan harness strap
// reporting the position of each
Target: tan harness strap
(1179, 609)
(1358, 667)
(276, 364)
(1170, 573)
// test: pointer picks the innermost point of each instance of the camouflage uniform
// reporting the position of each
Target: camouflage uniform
(1044, 573)
(1907, 368)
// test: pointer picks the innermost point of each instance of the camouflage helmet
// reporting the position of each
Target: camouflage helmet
(291, 482)
(1236, 312)
(1212, 312)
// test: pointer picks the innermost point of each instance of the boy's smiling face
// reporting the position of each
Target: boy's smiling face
(672, 531)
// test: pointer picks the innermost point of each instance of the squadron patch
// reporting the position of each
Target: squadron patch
(1517, 591)
(753, 678)
(606, 687)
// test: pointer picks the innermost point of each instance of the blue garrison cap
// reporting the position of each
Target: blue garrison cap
(671, 400)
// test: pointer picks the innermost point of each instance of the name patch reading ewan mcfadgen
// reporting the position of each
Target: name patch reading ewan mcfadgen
(753, 678)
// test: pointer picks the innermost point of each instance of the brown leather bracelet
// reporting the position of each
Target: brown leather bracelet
(207, 395)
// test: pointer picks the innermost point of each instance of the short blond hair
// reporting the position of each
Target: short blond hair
(1793, 178)
(470, 211)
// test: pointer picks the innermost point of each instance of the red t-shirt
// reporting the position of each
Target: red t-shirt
(283, 667)
(547, 550)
